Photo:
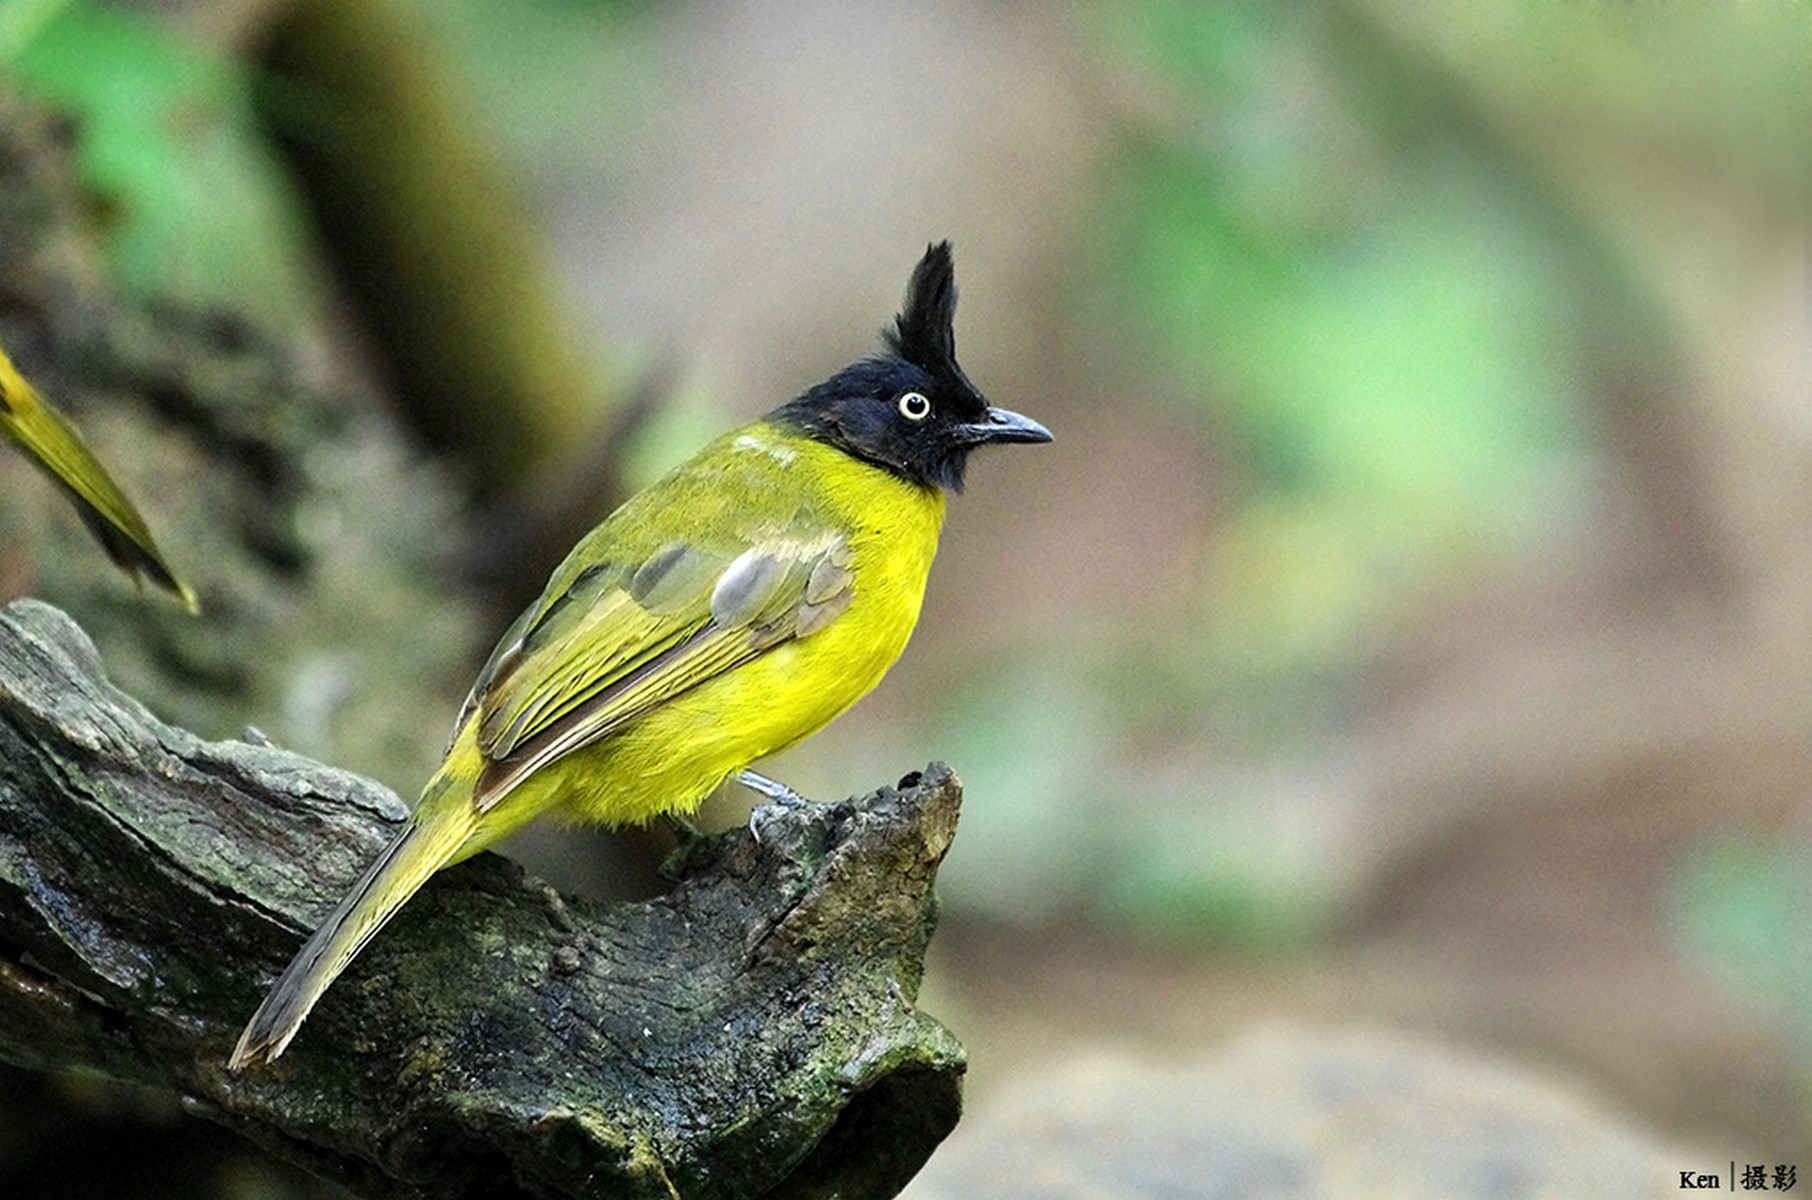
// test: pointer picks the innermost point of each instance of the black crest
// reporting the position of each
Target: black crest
(912, 410)
(924, 333)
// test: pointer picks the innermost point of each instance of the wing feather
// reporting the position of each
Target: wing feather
(618, 641)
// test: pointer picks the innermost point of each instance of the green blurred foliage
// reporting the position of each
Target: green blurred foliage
(1740, 909)
(1388, 264)
(1381, 322)
(191, 201)
(1024, 739)
(1377, 315)
(559, 84)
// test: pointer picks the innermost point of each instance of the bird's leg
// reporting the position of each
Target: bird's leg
(771, 790)
(777, 794)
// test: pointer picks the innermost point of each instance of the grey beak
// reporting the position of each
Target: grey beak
(1003, 426)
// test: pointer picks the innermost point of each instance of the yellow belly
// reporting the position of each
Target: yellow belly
(672, 758)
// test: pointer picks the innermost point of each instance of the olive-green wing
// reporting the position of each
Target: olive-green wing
(620, 639)
(49, 440)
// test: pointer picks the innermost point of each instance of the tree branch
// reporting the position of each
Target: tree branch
(752, 1033)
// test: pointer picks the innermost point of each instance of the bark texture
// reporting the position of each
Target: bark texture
(752, 1033)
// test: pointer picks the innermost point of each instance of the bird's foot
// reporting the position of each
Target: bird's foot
(777, 795)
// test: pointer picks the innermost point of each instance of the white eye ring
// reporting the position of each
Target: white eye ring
(914, 406)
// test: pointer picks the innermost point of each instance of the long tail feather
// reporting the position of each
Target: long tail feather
(421, 849)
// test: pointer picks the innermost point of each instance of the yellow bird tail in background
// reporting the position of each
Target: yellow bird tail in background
(49, 440)
(430, 841)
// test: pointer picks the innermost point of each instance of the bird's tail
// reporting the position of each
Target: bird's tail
(422, 848)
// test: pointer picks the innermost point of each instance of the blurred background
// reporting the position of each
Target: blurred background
(1410, 630)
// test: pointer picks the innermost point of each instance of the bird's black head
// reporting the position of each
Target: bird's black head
(911, 410)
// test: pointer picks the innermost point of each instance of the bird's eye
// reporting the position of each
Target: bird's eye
(914, 406)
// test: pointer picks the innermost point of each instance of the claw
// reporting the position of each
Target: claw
(777, 795)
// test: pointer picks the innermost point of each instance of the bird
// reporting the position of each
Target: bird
(46, 437)
(728, 611)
